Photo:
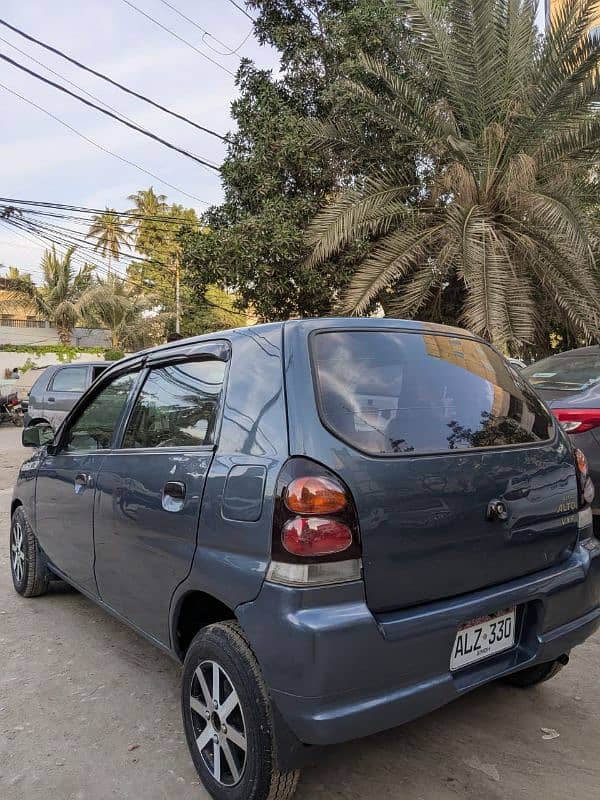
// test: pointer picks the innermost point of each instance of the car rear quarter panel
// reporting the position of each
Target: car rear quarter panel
(234, 535)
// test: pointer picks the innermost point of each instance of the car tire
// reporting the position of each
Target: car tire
(228, 720)
(28, 565)
(531, 676)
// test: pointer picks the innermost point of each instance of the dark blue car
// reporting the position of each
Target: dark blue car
(337, 525)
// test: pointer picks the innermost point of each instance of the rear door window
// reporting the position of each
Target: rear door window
(393, 393)
(177, 406)
(69, 379)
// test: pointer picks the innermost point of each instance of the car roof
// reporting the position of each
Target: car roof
(309, 324)
(592, 350)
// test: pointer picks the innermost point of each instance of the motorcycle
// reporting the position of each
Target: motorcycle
(11, 409)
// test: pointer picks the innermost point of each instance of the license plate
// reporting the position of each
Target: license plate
(483, 637)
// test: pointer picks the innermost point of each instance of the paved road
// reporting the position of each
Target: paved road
(77, 689)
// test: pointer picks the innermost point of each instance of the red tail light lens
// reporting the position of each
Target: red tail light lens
(578, 420)
(315, 495)
(314, 536)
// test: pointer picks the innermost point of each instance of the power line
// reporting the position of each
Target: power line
(243, 10)
(107, 113)
(44, 237)
(104, 77)
(232, 51)
(62, 77)
(11, 205)
(177, 36)
(101, 147)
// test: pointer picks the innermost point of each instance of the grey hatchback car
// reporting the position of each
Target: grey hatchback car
(57, 389)
(336, 525)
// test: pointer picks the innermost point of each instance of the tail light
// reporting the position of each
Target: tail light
(315, 495)
(578, 420)
(586, 487)
(315, 528)
(314, 536)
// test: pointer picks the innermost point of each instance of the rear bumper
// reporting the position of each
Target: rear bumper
(336, 672)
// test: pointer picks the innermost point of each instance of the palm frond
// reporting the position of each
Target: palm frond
(391, 259)
(353, 214)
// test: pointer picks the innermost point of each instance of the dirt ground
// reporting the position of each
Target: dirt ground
(78, 690)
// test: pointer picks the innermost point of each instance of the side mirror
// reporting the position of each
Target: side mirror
(37, 435)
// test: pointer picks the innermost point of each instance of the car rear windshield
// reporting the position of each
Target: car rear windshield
(565, 373)
(391, 392)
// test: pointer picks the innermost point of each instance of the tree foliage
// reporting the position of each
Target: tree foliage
(109, 233)
(274, 180)
(505, 157)
(113, 304)
(157, 227)
(57, 299)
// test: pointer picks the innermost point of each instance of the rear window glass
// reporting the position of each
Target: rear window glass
(388, 393)
(565, 373)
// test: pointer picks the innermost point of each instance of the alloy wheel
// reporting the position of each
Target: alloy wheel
(17, 552)
(218, 723)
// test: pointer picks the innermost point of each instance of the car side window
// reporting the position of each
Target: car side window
(69, 379)
(93, 428)
(177, 406)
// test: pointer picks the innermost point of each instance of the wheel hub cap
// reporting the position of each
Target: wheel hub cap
(17, 552)
(218, 723)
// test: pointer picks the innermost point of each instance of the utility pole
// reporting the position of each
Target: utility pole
(177, 298)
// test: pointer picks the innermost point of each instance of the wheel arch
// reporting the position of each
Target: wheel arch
(192, 611)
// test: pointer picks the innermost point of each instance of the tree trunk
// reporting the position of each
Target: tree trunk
(64, 334)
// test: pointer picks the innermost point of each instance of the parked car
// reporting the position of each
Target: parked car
(57, 389)
(570, 383)
(517, 363)
(336, 525)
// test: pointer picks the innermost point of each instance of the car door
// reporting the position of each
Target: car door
(66, 481)
(64, 389)
(150, 489)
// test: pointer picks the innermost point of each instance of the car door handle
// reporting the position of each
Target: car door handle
(50, 399)
(82, 479)
(175, 489)
(173, 496)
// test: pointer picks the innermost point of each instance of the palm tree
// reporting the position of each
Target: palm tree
(505, 157)
(109, 233)
(114, 304)
(15, 274)
(147, 203)
(57, 299)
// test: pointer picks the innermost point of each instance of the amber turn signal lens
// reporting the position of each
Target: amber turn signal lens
(315, 496)
(582, 464)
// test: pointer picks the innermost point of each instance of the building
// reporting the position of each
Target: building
(18, 325)
(14, 315)
(552, 6)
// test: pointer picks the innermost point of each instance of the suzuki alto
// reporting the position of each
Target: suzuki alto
(335, 525)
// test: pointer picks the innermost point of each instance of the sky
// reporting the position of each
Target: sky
(40, 159)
